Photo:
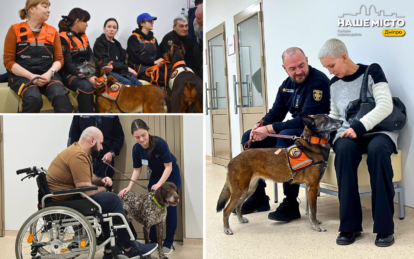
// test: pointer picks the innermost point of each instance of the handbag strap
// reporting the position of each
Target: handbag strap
(364, 87)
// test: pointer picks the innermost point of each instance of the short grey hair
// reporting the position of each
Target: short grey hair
(333, 48)
(180, 18)
(291, 52)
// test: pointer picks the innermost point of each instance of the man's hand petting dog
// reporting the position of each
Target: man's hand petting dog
(349, 133)
(107, 181)
(108, 68)
(123, 192)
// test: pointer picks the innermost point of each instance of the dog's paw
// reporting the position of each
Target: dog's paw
(320, 229)
(243, 220)
(228, 231)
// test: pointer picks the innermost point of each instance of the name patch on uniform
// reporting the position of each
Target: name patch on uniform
(288, 90)
(25, 56)
(144, 162)
(317, 95)
(170, 43)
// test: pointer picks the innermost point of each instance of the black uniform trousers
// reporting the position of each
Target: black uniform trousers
(348, 156)
(84, 89)
(31, 95)
(291, 191)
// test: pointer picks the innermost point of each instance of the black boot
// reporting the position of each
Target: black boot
(255, 204)
(288, 210)
(347, 238)
(384, 240)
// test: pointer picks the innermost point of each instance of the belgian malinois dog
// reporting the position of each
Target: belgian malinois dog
(248, 167)
(132, 98)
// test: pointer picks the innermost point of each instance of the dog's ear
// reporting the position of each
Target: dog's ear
(182, 48)
(159, 196)
(307, 120)
(91, 62)
(100, 61)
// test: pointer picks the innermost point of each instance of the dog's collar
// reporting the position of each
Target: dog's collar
(156, 202)
(182, 62)
(316, 140)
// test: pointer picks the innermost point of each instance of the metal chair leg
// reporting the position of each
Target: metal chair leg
(275, 192)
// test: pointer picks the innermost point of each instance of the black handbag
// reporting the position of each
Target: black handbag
(360, 107)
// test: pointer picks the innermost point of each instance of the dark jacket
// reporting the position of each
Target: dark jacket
(310, 97)
(113, 134)
(101, 48)
(71, 62)
(191, 17)
(142, 50)
(176, 39)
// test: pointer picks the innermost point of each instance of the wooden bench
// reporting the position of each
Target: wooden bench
(9, 100)
(329, 185)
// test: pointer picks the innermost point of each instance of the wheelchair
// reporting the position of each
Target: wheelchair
(67, 229)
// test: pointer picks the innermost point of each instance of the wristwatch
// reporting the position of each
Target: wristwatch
(53, 71)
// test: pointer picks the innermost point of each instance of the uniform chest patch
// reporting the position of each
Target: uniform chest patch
(63, 48)
(317, 95)
(295, 153)
(170, 43)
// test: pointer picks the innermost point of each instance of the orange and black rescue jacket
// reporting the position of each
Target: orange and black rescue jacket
(35, 55)
(77, 48)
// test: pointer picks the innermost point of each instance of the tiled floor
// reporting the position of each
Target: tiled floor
(262, 238)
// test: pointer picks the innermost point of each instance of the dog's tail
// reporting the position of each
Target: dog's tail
(224, 197)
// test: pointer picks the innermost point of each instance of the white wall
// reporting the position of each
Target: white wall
(193, 175)
(307, 24)
(28, 141)
(36, 140)
(125, 11)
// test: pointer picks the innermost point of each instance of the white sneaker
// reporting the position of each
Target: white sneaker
(167, 250)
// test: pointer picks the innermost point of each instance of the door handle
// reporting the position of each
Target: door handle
(207, 100)
(235, 94)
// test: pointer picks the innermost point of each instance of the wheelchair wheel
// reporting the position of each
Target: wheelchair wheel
(56, 232)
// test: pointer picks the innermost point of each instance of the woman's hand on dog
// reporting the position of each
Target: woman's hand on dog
(156, 186)
(94, 82)
(349, 133)
(107, 181)
(108, 68)
(123, 192)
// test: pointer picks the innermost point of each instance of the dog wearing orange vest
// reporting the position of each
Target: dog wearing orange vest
(114, 97)
(305, 162)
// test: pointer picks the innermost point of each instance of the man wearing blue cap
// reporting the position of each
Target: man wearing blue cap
(142, 49)
(180, 34)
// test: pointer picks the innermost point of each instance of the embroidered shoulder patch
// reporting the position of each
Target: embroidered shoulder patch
(317, 95)
(170, 43)
(174, 74)
(63, 48)
(295, 153)
(115, 87)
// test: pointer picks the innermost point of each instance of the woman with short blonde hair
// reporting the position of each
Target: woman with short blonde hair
(355, 138)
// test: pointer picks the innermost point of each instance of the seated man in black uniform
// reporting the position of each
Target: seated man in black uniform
(180, 34)
(306, 90)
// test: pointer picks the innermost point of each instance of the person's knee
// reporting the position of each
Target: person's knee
(34, 100)
(345, 145)
(378, 148)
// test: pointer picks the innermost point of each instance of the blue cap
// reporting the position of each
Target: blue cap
(145, 16)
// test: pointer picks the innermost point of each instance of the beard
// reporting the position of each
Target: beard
(94, 151)
(300, 81)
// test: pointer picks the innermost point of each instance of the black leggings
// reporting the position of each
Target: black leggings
(379, 148)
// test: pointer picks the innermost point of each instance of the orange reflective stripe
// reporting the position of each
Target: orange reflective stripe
(297, 158)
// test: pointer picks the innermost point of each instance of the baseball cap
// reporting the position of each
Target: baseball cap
(145, 16)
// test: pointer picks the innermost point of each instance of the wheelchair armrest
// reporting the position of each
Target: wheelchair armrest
(81, 189)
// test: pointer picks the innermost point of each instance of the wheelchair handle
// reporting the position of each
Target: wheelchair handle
(26, 170)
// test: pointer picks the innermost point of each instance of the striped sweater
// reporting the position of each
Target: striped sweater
(347, 89)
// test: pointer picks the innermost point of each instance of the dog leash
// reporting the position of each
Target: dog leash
(119, 172)
(292, 137)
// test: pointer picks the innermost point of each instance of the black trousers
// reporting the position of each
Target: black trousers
(379, 148)
(31, 95)
(291, 191)
(84, 89)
